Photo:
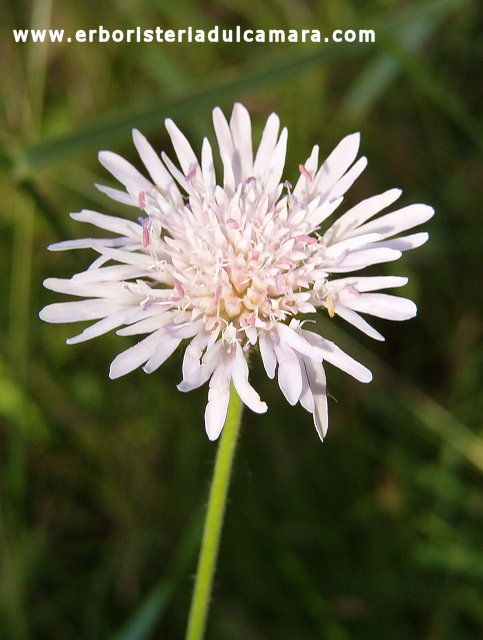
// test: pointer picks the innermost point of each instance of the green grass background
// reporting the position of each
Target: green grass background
(377, 533)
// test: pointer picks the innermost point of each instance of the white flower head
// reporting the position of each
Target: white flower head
(227, 268)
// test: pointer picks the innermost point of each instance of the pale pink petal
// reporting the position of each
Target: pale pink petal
(406, 243)
(207, 166)
(362, 212)
(271, 178)
(397, 221)
(152, 161)
(346, 182)
(337, 357)
(135, 356)
(77, 311)
(355, 319)
(368, 283)
(297, 342)
(225, 145)
(166, 348)
(218, 397)
(182, 147)
(267, 145)
(117, 225)
(241, 133)
(289, 374)
(318, 387)
(124, 171)
(247, 393)
(267, 353)
(381, 305)
(117, 195)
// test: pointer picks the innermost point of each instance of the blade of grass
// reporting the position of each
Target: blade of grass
(435, 89)
(118, 124)
(142, 624)
(411, 29)
(425, 410)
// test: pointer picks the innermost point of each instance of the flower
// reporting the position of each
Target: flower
(235, 267)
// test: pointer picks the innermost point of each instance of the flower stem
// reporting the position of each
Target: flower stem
(214, 520)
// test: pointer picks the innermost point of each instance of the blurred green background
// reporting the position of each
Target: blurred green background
(377, 533)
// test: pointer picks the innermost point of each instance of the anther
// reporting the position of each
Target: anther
(304, 172)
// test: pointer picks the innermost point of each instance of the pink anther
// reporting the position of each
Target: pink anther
(179, 288)
(306, 239)
(191, 172)
(304, 172)
(146, 224)
(142, 200)
(351, 289)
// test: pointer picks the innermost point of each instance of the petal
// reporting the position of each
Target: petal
(218, 397)
(267, 145)
(273, 174)
(225, 145)
(167, 347)
(406, 243)
(247, 393)
(289, 374)
(112, 273)
(241, 133)
(135, 356)
(267, 353)
(148, 324)
(306, 397)
(208, 365)
(109, 223)
(369, 283)
(208, 167)
(77, 311)
(192, 356)
(397, 221)
(297, 342)
(117, 195)
(340, 359)
(86, 243)
(152, 161)
(124, 171)
(348, 179)
(355, 319)
(362, 212)
(182, 147)
(363, 258)
(381, 305)
(112, 321)
(337, 163)
(76, 287)
(318, 387)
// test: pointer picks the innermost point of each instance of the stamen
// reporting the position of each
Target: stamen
(330, 306)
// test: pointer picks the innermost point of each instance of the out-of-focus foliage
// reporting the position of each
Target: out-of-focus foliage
(377, 533)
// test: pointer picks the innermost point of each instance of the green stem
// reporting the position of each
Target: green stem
(214, 520)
